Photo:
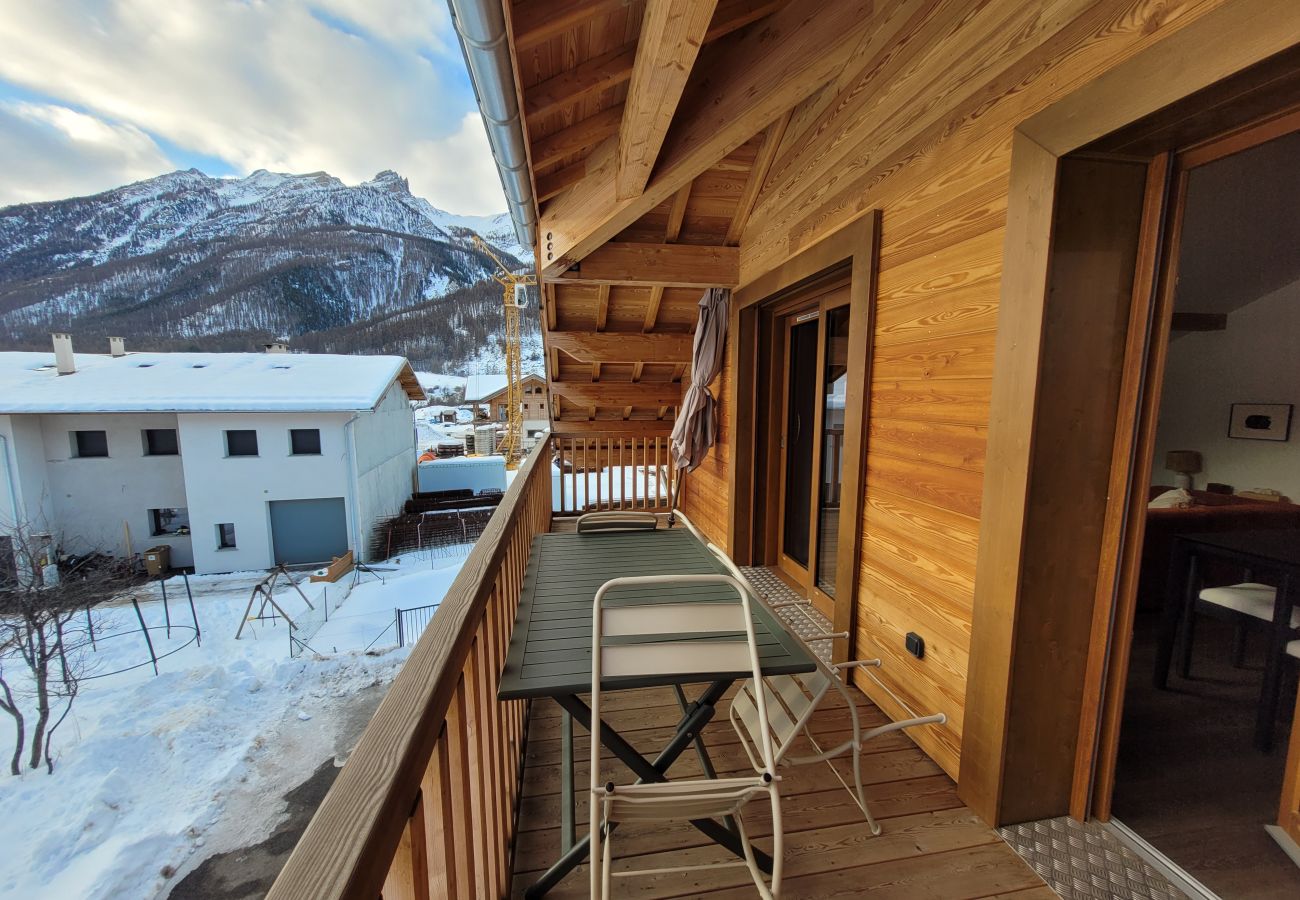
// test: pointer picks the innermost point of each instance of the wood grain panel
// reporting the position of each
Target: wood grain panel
(960, 401)
(957, 446)
(958, 356)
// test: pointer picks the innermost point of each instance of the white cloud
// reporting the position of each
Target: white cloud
(49, 151)
(268, 84)
(458, 167)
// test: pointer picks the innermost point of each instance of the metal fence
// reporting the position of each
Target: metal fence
(411, 623)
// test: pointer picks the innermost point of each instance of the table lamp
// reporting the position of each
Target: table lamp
(1186, 463)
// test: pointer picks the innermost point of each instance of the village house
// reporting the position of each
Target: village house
(487, 395)
(235, 461)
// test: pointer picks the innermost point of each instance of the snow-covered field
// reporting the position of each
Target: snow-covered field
(155, 773)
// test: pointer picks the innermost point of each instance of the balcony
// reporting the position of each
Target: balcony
(452, 794)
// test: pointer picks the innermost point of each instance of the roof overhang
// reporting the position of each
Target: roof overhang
(650, 129)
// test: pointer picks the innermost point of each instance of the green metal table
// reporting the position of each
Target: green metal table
(550, 654)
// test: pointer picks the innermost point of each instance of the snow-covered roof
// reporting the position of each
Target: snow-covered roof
(436, 381)
(480, 387)
(201, 382)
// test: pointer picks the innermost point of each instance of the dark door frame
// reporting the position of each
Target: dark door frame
(852, 251)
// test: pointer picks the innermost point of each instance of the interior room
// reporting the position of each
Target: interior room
(1211, 690)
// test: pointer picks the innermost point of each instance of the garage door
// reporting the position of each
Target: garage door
(309, 531)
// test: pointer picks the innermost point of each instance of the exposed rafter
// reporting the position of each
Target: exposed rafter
(757, 176)
(554, 183)
(670, 265)
(643, 395)
(672, 32)
(609, 347)
(577, 138)
(537, 21)
(625, 428)
(582, 82)
(589, 78)
(737, 91)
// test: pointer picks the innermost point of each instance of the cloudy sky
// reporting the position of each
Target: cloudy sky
(98, 93)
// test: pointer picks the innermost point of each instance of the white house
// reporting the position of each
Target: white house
(236, 461)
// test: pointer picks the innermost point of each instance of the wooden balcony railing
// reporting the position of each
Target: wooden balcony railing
(613, 471)
(425, 806)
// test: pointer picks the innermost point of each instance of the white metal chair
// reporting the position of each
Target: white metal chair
(791, 700)
(615, 520)
(660, 638)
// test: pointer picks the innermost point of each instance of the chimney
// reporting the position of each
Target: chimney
(116, 346)
(63, 359)
(276, 347)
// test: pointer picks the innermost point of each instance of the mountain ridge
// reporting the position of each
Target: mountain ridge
(185, 258)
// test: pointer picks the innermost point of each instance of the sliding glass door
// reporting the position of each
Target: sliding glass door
(814, 385)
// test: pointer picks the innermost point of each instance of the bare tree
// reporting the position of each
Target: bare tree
(42, 651)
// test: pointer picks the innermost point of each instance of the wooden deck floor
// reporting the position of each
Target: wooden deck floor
(932, 846)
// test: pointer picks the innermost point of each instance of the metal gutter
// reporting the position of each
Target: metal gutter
(481, 28)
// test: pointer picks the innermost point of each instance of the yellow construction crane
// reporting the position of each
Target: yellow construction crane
(514, 298)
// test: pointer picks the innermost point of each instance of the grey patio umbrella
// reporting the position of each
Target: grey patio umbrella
(696, 428)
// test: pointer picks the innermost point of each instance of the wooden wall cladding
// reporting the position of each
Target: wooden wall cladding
(925, 136)
(704, 491)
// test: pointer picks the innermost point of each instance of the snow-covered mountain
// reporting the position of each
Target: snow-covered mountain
(185, 259)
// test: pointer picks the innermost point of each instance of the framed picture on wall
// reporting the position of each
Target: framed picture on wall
(1260, 421)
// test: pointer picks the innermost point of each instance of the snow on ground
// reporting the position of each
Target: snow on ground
(416, 581)
(610, 484)
(156, 773)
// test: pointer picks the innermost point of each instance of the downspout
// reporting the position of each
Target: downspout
(481, 28)
(354, 488)
(9, 480)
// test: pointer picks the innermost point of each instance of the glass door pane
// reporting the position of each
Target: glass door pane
(834, 393)
(801, 409)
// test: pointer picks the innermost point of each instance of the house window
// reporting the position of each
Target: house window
(90, 443)
(170, 520)
(226, 536)
(304, 441)
(241, 442)
(160, 442)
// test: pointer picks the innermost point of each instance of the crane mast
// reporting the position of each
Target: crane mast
(511, 443)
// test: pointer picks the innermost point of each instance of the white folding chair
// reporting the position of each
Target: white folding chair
(657, 638)
(791, 700)
(614, 520)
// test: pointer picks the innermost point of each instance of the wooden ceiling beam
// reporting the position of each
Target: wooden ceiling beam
(652, 307)
(736, 92)
(757, 176)
(672, 32)
(1199, 322)
(612, 428)
(616, 347)
(537, 21)
(577, 138)
(669, 265)
(583, 82)
(677, 213)
(642, 395)
(600, 73)
(552, 184)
